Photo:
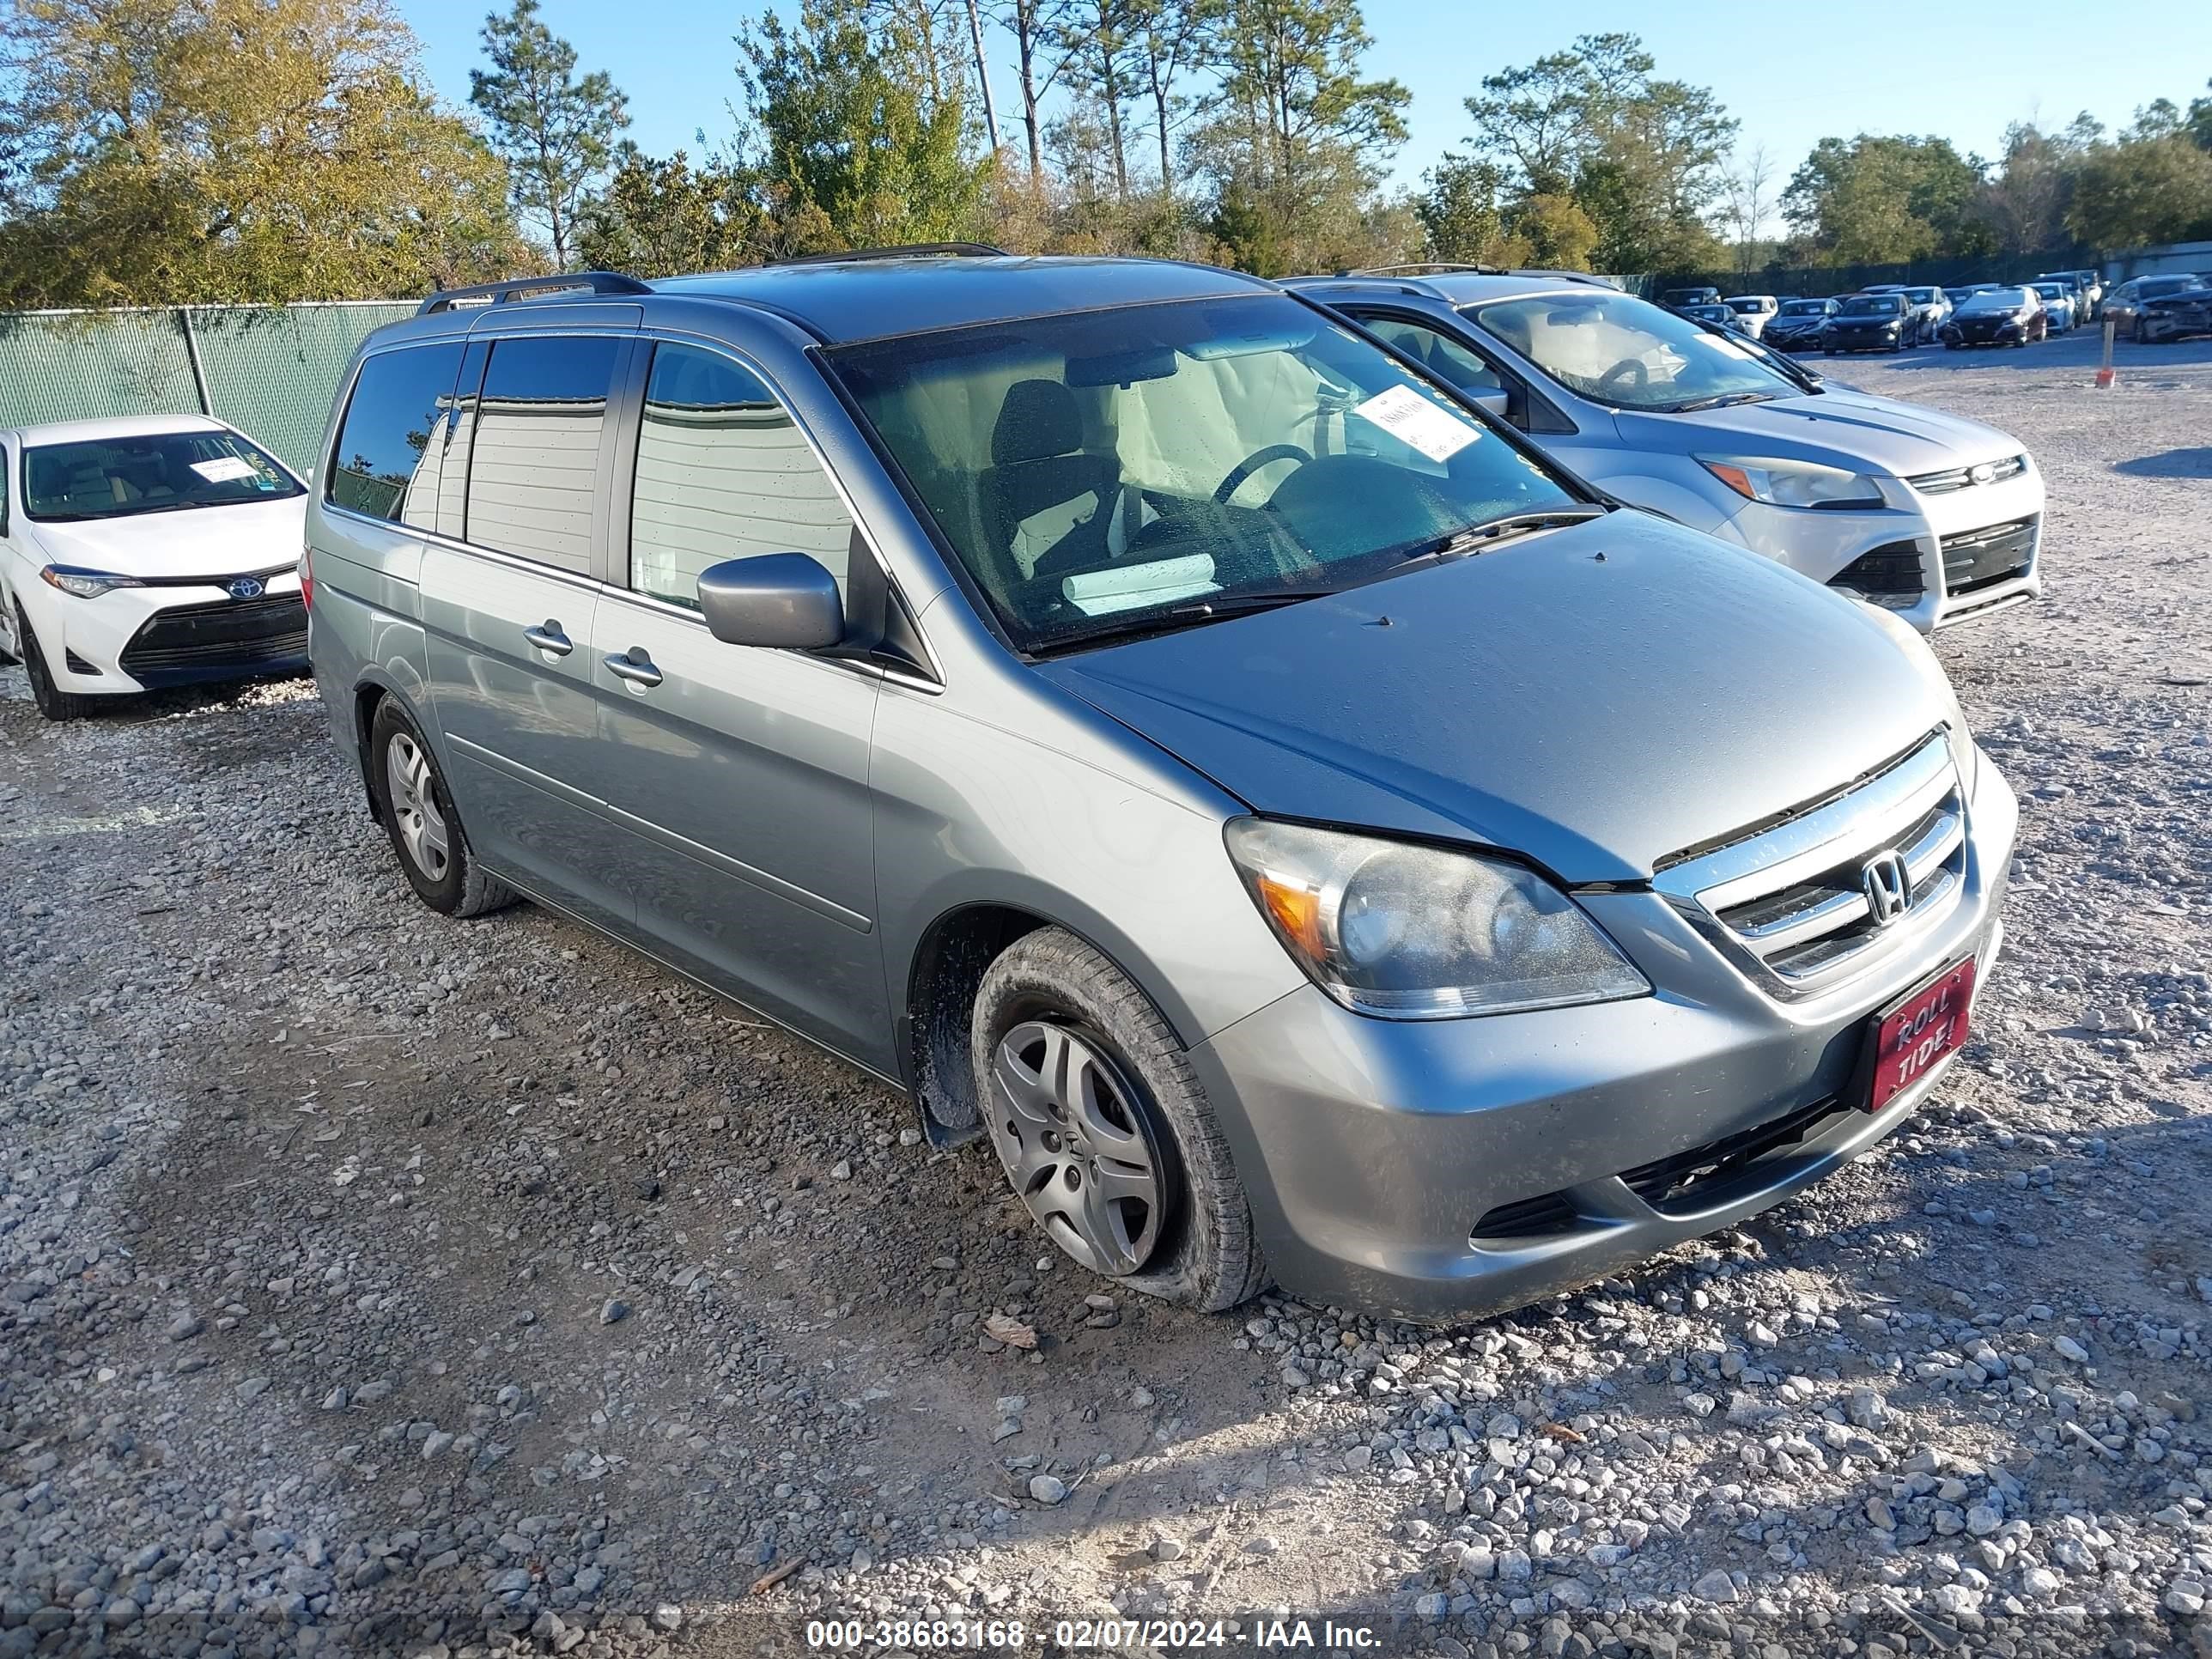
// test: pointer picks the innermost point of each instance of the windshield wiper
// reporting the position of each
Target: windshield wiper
(1482, 538)
(1192, 613)
(1725, 400)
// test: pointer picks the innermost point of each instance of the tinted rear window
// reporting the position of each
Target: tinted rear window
(534, 465)
(385, 463)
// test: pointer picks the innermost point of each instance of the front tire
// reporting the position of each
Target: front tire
(54, 704)
(1103, 1130)
(419, 815)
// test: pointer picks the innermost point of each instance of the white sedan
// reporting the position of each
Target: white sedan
(146, 550)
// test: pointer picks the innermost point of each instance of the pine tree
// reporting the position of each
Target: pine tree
(557, 133)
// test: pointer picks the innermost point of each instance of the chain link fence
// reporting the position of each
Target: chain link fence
(270, 371)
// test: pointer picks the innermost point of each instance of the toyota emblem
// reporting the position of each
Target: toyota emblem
(243, 587)
(1888, 885)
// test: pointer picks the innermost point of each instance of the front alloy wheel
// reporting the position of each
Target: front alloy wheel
(1077, 1146)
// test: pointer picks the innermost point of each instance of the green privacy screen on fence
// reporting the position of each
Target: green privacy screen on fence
(270, 370)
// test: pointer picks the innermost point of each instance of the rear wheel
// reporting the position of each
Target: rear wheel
(54, 704)
(1103, 1130)
(419, 815)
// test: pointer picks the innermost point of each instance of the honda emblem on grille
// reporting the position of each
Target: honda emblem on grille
(1888, 885)
(243, 587)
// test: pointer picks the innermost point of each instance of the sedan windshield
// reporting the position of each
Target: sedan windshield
(1156, 467)
(121, 477)
(1616, 350)
(1874, 304)
(1805, 308)
(2050, 290)
(1998, 299)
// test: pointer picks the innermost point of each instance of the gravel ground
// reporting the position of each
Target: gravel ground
(372, 1284)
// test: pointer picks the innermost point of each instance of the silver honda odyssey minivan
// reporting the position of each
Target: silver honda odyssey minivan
(1166, 733)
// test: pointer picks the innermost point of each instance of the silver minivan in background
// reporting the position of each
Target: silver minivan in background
(1122, 706)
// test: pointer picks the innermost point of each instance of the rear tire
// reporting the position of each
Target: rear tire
(1080, 1078)
(419, 815)
(54, 704)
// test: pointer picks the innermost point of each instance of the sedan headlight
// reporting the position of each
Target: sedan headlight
(1793, 483)
(85, 584)
(1409, 931)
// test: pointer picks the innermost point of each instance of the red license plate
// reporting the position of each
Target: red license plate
(1914, 1036)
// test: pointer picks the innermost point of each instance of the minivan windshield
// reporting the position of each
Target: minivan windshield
(1156, 467)
(121, 478)
(1616, 350)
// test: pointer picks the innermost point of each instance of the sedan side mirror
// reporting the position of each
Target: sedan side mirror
(785, 601)
(1496, 402)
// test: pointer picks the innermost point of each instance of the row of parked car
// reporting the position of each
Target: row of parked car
(1238, 748)
(1893, 317)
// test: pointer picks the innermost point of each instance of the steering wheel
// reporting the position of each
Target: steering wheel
(1252, 462)
(1629, 372)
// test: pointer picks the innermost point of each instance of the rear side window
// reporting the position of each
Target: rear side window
(534, 465)
(393, 441)
(1447, 358)
(723, 472)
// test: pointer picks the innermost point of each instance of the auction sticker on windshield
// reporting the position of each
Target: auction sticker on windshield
(224, 469)
(1919, 1032)
(1413, 419)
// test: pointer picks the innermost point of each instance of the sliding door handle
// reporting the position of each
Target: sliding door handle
(549, 639)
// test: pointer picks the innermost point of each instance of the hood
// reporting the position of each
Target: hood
(1854, 430)
(199, 541)
(1594, 698)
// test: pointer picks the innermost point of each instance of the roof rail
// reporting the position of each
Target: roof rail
(1590, 277)
(1414, 267)
(530, 287)
(911, 249)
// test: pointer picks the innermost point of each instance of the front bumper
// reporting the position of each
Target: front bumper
(1984, 334)
(1892, 340)
(141, 639)
(1372, 1149)
(1916, 528)
(2176, 323)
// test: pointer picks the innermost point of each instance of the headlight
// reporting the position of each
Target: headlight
(85, 584)
(1793, 483)
(1408, 932)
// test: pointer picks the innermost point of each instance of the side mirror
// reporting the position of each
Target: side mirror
(1497, 403)
(780, 600)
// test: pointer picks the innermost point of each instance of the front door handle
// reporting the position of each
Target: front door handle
(549, 639)
(635, 665)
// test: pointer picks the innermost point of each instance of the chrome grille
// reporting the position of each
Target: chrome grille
(1790, 902)
(1962, 477)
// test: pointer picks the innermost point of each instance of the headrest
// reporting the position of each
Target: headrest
(1038, 420)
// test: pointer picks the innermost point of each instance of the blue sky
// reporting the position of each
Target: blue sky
(2029, 58)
